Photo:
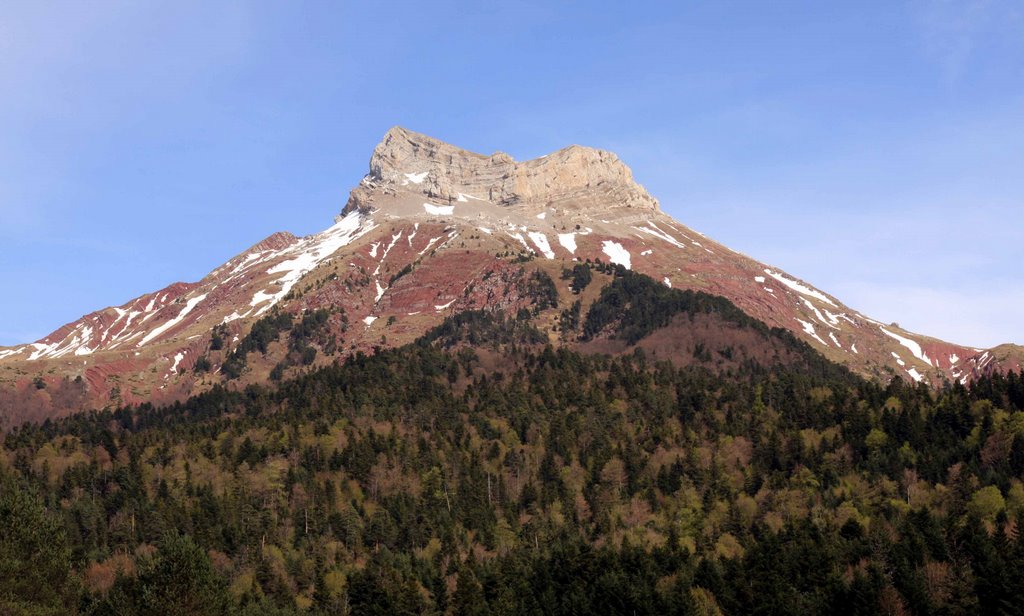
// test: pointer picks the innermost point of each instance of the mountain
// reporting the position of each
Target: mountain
(505, 388)
(430, 231)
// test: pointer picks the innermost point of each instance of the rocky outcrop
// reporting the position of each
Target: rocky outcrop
(575, 177)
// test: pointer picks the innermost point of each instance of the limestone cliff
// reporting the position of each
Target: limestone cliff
(575, 177)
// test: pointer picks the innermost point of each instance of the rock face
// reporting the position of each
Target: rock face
(432, 230)
(575, 177)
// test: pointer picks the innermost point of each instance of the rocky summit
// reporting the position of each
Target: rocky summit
(433, 230)
(573, 178)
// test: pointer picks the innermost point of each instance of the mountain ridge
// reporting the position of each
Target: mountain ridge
(433, 229)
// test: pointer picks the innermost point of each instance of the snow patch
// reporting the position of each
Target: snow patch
(443, 306)
(541, 241)
(542, 215)
(177, 360)
(799, 288)
(416, 178)
(809, 330)
(832, 318)
(568, 241)
(667, 282)
(189, 305)
(817, 313)
(913, 346)
(309, 253)
(833, 337)
(394, 240)
(616, 252)
(127, 323)
(369, 320)
(759, 279)
(519, 237)
(234, 316)
(451, 236)
(427, 247)
(79, 347)
(658, 233)
(439, 210)
(252, 259)
(914, 374)
(40, 350)
(646, 252)
(262, 296)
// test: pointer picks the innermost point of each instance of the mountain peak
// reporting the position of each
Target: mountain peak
(575, 177)
(430, 231)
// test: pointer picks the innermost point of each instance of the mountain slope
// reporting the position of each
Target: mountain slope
(430, 231)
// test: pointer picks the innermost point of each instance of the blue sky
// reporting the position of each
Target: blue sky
(875, 149)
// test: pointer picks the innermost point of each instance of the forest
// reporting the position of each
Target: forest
(483, 470)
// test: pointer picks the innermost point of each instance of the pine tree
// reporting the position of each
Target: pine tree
(177, 580)
(35, 561)
(468, 599)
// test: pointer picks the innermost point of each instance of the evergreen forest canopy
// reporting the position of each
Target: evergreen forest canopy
(482, 471)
